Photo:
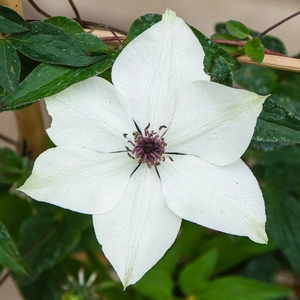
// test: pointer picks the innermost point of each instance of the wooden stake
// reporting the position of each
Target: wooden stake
(275, 62)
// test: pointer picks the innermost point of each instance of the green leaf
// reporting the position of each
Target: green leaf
(237, 288)
(256, 79)
(276, 124)
(141, 24)
(195, 275)
(9, 256)
(93, 44)
(283, 224)
(237, 29)
(234, 250)
(50, 44)
(68, 25)
(9, 66)
(47, 239)
(13, 210)
(155, 284)
(46, 80)
(11, 22)
(287, 91)
(255, 50)
(13, 168)
(271, 42)
(217, 62)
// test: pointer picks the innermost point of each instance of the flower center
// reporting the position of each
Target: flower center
(148, 148)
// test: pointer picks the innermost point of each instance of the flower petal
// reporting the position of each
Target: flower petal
(151, 69)
(213, 121)
(140, 229)
(226, 198)
(90, 114)
(79, 179)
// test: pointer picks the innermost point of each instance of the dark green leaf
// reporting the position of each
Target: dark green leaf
(91, 42)
(9, 66)
(46, 80)
(271, 42)
(281, 168)
(13, 168)
(237, 288)
(255, 50)
(13, 211)
(256, 79)
(50, 44)
(283, 224)
(48, 239)
(155, 284)
(141, 24)
(11, 22)
(237, 29)
(287, 91)
(27, 65)
(234, 250)
(9, 256)
(68, 25)
(276, 124)
(218, 63)
(196, 274)
(263, 268)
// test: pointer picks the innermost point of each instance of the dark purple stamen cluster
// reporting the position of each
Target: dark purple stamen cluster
(148, 148)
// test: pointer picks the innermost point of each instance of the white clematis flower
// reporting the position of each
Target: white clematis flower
(184, 162)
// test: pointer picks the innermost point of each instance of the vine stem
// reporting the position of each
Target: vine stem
(278, 23)
(242, 43)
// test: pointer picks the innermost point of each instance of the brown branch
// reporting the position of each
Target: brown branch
(38, 9)
(277, 24)
(78, 18)
(8, 140)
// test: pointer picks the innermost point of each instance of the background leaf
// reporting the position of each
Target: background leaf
(237, 29)
(237, 288)
(9, 256)
(196, 274)
(283, 224)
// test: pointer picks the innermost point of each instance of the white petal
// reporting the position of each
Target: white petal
(90, 114)
(79, 179)
(151, 69)
(226, 198)
(213, 121)
(140, 229)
